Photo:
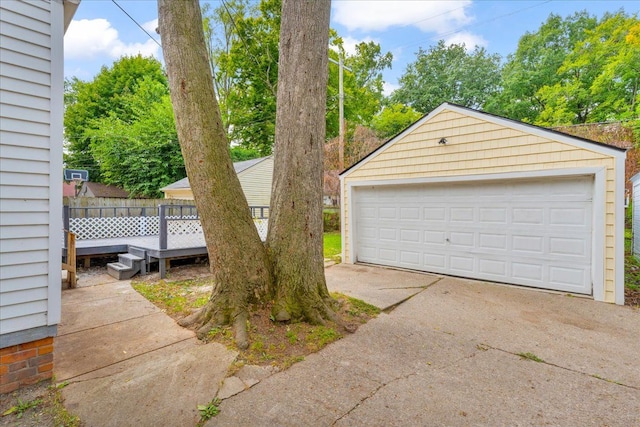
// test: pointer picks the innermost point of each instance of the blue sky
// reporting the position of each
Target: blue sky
(101, 32)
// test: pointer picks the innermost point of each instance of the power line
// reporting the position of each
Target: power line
(457, 30)
(136, 22)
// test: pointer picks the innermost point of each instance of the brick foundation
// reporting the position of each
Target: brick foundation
(25, 364)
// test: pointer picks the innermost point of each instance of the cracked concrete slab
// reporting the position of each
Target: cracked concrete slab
(382, 287)
(128, 363)
(159, 388)
(449, 356)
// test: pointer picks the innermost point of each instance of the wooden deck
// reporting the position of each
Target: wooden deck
(177, 247)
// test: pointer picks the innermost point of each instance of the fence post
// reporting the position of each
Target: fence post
(163, 227)
(65, 217)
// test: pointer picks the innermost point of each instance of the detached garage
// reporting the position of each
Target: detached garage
(469, 194)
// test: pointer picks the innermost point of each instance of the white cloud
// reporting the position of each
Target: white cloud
(469, 40)
(95, 38)
(388, 88)
(151, 26)
(349, 43)
(428, 16)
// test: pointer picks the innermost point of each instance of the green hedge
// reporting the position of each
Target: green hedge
(331, 220)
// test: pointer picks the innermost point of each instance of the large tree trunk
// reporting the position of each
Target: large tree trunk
(295, 225)
(238, 260)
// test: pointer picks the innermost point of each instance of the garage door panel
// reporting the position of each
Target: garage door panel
(492, 241)
(531, 244)
(492, 267)
(527, 272)
(567, 277)
(527, 216)
(435, 262)
(568, 217)
(410, 214)
(534, 233)
(461, 263)
(493, 215)
(461, 214)
(409, 236)
(568, 246)
(434, 237)
(386, 233)
(461, 238)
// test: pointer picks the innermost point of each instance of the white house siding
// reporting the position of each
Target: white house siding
(256, 182)
(636, 215)
(31, 92)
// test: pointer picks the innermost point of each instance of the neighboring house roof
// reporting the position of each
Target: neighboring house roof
(485, 116)
(96, 189)
(237, 166)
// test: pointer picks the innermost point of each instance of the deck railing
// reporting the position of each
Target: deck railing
(175, 225)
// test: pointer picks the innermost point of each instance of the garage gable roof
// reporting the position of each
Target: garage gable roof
(588, 144)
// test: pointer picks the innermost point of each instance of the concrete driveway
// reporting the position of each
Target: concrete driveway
(448, 352)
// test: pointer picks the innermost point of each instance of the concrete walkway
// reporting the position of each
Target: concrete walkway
(129, 364)
(445, 352)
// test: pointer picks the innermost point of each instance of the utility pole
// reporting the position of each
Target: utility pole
(341, 67)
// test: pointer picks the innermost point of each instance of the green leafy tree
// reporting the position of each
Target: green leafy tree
(536, 64)
(449, 74)
(140, 154)
(393, 119)
(600, 76)
(107, 95)
(362, 85)
(245, 64)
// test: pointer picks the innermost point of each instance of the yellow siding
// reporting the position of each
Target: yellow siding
(477, 147)
(256, 183)
(179, 193)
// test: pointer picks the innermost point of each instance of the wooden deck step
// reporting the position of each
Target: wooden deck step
(121, 271)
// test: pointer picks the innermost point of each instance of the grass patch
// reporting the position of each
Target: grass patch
(631, 273)
(271, 343)
(176, 298)
(530, 356)
(333, 246)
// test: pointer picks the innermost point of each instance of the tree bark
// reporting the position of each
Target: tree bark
(239, 262)
(295, 236)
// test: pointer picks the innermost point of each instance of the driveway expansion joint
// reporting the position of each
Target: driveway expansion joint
(71, 380)
(399, 303)
(575, 371)
(109, 324)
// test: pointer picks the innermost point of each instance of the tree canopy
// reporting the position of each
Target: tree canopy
(244, 56)
(107, 95)
(449, 73)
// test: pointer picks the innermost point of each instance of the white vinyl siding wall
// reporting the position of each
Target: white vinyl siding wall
(31, 80)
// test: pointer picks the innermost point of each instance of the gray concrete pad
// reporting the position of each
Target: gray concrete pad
(382, 287)
(92, 307)
(128, 363)
(449, 356)
(577, 333)
(158, 388)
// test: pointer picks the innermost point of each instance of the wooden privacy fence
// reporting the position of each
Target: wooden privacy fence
(101, 207)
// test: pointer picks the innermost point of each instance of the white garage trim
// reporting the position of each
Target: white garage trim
(619, 228)
(598, 209)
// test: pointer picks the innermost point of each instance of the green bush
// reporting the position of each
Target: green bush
(331, 221)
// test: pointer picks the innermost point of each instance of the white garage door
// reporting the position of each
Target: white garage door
(528, 232)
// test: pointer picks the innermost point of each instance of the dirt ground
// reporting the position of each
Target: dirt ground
(39, 405)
